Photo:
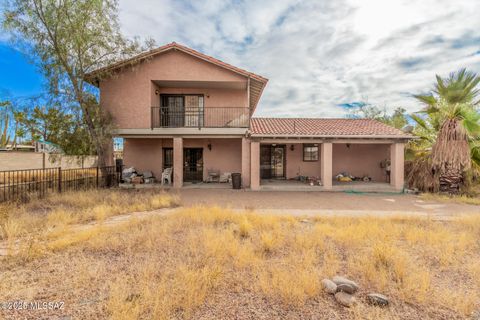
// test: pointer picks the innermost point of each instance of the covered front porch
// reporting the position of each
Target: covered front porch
(319, 165)
(194, 162)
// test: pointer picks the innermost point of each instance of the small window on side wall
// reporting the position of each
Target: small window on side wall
(310, 152)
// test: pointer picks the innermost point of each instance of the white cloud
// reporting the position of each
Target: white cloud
(318, 54)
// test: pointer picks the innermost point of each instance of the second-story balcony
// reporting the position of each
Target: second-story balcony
(200, 117)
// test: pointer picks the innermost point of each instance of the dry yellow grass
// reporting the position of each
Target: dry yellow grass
(58, 211)
(213, 263)
(474, 200)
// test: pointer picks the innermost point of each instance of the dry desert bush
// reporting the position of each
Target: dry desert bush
(211, 263)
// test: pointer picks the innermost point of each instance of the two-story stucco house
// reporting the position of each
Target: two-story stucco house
(176, 107)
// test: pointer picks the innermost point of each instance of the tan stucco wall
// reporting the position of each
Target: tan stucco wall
(397, 157)
(296, 166)
(143, 154)
(226, 155)
(245, 162)
(255, 165)
(326, 158)
(129, 95)
(361, 159)
(146, 154)
(34, 160)
(177, 162)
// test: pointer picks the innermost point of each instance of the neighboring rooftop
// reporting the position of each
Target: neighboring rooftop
(324, 127)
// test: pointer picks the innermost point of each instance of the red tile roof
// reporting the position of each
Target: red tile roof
(323, 127)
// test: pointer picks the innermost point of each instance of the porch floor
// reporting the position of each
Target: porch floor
(186, 185)
(280, 185)
(354, 186)
(205, 185)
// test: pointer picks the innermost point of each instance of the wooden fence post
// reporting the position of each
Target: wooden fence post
(97, 177)
(60, 180)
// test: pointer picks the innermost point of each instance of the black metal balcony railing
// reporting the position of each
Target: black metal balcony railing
(211, 117)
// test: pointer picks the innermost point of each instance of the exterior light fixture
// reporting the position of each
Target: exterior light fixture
(292, 147)
(209, 146)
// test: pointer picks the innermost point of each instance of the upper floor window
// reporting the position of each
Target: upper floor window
(310, 152)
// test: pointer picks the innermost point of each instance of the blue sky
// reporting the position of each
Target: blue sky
(318, 55)
(18, 77)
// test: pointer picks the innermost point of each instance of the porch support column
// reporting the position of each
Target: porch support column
(397, 160)
(326, 165)
(177, 162)
(245, 162)
(255, 165)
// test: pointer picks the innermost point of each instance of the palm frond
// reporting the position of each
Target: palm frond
(471, 122)
(475, 154)
(440, 87)
(427, 99)
(419, 121)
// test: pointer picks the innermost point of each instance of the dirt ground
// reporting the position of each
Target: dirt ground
(208, 263)
(321, 202)
(215, 263)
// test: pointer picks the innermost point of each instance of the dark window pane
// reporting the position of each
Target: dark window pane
(310, 152)
(167, 158)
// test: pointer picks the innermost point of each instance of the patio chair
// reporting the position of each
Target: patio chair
(213, 176)
(167, 175)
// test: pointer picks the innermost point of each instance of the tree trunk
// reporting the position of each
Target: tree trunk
(97, 140)
(451, 180)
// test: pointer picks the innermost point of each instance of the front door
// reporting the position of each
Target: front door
(193, 165)
(272, 161)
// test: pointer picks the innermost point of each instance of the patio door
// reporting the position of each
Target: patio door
(193, 111)
(272, 161)
(193, 165)
(172, 111)
(186, 110)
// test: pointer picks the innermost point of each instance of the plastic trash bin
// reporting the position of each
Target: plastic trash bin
(236, 180)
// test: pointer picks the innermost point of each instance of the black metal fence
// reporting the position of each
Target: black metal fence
(21, 185)
(211, 117)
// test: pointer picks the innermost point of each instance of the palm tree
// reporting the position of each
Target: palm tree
(452, 128)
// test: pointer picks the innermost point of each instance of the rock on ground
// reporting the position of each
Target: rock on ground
(329, 286)
(345, 299)
(348, 288)
(342, 280)
(377, 299)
